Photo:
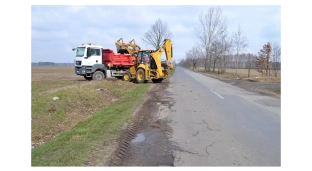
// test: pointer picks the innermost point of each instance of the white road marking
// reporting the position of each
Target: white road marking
(217, 94)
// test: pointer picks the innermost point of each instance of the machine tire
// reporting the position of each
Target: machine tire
(140, 76)
(157, 80)
(88, 78)
(126, 76)
(98, 75)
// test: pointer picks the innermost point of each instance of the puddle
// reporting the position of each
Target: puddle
(138, 138)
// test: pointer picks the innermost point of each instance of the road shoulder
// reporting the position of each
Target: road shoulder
(262, 88)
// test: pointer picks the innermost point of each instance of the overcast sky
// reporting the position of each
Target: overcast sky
(55, 30)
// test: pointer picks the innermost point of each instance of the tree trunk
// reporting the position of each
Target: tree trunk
(236, 63)
(236, 68)
(206, 64)
(214, 66)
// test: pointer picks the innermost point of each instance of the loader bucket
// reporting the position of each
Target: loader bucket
(126, 48)
(122, 49)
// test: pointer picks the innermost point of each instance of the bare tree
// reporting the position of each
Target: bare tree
(216, 53)
(263, 61)
(212, 25)
(184, 63)
(239, 44)
(249, 63)
(226, 50)
(157, 33)
(266, 53)
(276, 55)
(193, 55)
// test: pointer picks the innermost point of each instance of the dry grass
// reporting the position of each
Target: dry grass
(243, 75)
(40, 73)
(79, 99)
(68, 117)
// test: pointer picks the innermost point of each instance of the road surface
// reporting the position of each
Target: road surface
(222, 125)
(210, 123)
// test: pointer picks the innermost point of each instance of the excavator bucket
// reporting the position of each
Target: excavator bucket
(126, 48)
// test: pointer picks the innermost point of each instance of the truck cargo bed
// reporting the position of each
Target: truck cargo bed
(112, 59)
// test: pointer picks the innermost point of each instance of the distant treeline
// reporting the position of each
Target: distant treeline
(51, 64)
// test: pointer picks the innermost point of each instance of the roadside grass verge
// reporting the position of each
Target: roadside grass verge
(242, 74)
(170, 72)
(277, 91)
(76, 102)
(77, 141)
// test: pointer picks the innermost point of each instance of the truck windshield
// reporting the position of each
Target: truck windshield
(80, 51)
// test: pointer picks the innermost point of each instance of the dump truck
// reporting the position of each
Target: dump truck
(93, 62)
(147, 63)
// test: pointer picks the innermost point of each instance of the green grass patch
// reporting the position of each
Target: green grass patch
(73, 146)
(170, 72)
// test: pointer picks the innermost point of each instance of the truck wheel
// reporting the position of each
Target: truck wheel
(98, 75)
(140, 76)
(88, 78)
(126, 76)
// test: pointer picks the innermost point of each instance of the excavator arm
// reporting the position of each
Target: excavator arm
(167, 47)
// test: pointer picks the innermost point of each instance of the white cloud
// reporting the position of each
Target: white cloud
(68, 26)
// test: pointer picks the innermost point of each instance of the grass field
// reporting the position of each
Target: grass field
(243, 75)
(87, 114)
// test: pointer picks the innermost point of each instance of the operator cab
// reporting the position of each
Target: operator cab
(144, 57)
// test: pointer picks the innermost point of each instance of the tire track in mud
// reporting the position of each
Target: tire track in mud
(144, 119)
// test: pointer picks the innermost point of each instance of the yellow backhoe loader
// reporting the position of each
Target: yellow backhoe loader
(148, 64)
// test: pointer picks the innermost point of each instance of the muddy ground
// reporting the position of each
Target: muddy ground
(145, 142)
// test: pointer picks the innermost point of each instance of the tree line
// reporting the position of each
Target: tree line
(51, 64)
(217, 49)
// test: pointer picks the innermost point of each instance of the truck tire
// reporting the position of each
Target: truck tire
(88, 78)
(140, 76)
(126, 76)
(98, 75)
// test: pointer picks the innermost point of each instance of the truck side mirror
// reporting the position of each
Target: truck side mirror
(88, 52)
(73, 49)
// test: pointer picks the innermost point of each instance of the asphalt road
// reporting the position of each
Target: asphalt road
(217, 124)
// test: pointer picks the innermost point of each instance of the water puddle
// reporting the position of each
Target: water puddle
(138, 138)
